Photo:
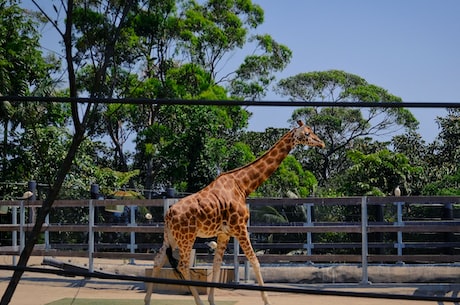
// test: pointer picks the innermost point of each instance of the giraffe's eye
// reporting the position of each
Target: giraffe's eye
(307, 134)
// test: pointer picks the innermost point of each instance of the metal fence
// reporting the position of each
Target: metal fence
(382, 230)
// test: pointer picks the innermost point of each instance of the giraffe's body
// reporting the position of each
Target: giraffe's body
(220, 210)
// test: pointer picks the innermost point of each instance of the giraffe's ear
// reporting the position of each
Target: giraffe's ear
(300, 123)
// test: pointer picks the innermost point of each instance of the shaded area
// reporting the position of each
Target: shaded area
(67, 301)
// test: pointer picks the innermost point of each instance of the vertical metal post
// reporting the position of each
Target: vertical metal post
(309, 245)
(399, 222)
(32, 186)
(132, 239)
(14, 234)
(236, 263)
(94, 194)
(22, 221)
(247, 265)
(47, 233)
(364, 241)
(91, 236)
(165, 206)
(448, 214)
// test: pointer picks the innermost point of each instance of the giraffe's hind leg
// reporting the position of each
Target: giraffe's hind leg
(183, 267)
(245, 244)
(159, 262)
(222, 241)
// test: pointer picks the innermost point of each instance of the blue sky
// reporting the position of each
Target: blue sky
(409, 47)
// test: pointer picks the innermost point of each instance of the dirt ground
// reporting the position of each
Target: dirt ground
(40, 289)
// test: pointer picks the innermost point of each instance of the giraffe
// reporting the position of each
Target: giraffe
(219, 210)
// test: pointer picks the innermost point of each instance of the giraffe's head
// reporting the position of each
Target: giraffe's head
(304, 135)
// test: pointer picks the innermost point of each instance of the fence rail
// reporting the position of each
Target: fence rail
(446, 222)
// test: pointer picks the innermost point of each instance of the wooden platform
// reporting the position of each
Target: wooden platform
(202, 274)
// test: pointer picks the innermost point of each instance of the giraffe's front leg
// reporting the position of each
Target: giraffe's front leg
(245, 244)
(222, 241)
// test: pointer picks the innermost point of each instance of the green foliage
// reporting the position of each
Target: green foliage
(23, 69)
(256, 72)
(376, 174)
(259, 142)
(213, 28)
(239, 154)
(444, 171)
(341, 128)
(448, 185)
(290, 179)
(268, 215)
(35, 154)
(199, 153)
(21, 61)
(419, 153)
(332, 85)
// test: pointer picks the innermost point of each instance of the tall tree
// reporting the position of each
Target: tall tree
(414, 147)
(376, 174)
(213, 28)
(189, 140)
(339, 127)
(22, 69)
(443, 168)
(185, 46)
(81, 116)
(254, 76)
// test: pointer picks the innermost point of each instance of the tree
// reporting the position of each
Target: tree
(255, 74)
(22, 65)
(376, 174)
(80, 122)
(259, 142)
(341, 128)
(412, 145)
(213, 28)
(443, 168)
(289, 180)
(159, 35)
(22, 69)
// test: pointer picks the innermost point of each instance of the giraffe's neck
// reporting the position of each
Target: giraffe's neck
(252, 175)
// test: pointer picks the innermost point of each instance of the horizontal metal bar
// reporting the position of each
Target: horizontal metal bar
(147, 101)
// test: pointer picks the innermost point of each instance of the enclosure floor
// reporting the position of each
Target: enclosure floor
(43, 289)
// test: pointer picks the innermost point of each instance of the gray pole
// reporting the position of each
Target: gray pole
(364, 242)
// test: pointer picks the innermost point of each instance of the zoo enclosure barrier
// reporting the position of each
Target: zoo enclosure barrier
(445, 222)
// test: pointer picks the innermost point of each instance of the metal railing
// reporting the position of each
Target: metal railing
(395, 223)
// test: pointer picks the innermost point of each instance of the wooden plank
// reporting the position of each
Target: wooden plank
(407, 227)
(329, 258)
(124, 255)
(266, 258)
(84, 228)
(414, 199)
(127, 228)
(299, 229)
(99, 203)
(419, 258)
(423, 227)
(254, 202)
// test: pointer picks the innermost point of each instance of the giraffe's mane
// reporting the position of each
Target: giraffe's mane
(261, 156)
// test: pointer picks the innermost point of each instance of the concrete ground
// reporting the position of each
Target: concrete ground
(39, 289)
